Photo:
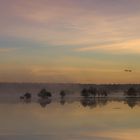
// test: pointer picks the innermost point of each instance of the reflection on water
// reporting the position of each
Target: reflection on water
(44, 102)
(132, 102)
(71, 119)
(90, 102)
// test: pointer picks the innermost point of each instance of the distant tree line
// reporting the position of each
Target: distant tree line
(86, 92)
(132, 92)
(94, 92)
(92, 97)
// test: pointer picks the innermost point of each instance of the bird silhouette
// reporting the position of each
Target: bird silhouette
(128, 70)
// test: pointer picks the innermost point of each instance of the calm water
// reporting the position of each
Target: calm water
(75, 119)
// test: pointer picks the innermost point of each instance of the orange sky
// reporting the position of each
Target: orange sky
(90, 41)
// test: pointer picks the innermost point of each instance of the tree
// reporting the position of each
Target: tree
(85, 93)
(27, 96)
(44, 94)
(62, 94)
(132, 92)
(93, 91)
(105, 93)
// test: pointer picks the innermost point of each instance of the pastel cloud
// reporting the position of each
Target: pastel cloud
(72, 23)
(46, 31)
(130, 46)
(4, 50)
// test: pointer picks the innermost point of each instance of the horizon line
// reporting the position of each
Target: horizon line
(70, 83)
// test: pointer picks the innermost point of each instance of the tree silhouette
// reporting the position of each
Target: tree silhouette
(62, 94)
(131, 92)
(27, 96)
(92, 91)
(103, 93)
(44, 94)
(85, 93)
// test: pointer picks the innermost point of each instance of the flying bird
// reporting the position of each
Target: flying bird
(128, 70)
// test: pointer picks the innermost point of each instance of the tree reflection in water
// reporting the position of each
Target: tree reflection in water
(88, 101)
(132, 102)
(94, 102)
(62, 101)
(44, 102)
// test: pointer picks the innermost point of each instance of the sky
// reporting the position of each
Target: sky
(70, 41)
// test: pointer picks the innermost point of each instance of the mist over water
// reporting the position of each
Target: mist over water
(71, 118)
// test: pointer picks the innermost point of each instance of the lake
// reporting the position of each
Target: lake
(70, 119)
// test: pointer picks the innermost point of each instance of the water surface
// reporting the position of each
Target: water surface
(78, 119)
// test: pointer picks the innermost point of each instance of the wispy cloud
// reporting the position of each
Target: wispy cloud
(70, 28)
(4, 50)
(126, 47)
(71, 23)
